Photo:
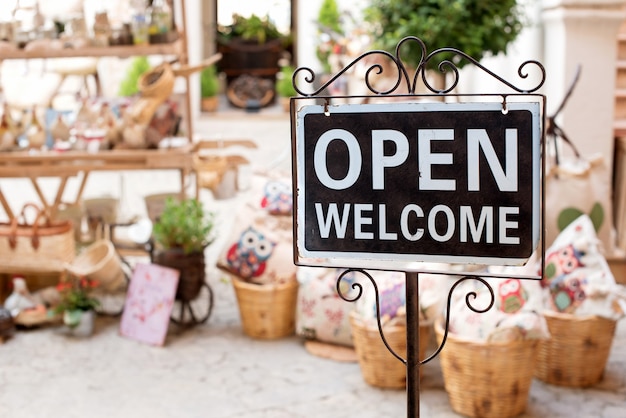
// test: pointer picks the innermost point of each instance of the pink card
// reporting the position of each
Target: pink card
(149, 303)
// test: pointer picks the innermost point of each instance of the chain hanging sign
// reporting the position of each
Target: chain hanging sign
(387, 186)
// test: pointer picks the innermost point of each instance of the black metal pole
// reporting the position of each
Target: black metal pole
(412, 346)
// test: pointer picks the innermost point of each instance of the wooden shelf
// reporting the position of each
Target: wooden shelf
(120, 51)
(64, 165)
(70, 163)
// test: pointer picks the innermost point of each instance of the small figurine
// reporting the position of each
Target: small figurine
(60, 130)
(35, 134)
(20, 299)
(7, 139)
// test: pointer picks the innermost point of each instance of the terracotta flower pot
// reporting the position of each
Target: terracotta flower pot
(209, 104)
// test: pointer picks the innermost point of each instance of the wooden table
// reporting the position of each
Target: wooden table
(63, 165)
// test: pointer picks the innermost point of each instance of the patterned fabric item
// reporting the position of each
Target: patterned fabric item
(277, 197)
(320, 313)
(577, 278)
(259, 249)
(392, 295)
(516, 313)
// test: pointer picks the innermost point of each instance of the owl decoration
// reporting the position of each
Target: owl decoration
(277, 198)
(567, 294)
(562, 262)
(248, 256)
(512, 296)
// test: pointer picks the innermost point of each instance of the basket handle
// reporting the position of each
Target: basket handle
(41, 215)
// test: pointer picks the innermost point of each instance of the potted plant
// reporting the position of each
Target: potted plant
(252, 30)
(478, 28)
(209, 88)
(284, 85)
(251, 46)
(77, 304)
(181, 233)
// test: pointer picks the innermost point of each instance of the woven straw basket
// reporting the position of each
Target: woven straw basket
(158, 82)
(42, 246)
(267, 311)
(577, 351)
(99, 262)
(378, 366)
(487, 379)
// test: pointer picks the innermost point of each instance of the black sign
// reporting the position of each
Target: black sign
(382, 186)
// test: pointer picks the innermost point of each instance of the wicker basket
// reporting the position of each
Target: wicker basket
(192, 270)
(267, 311)
(99, 262)
(378, 366)
(40, 246)
(577, 351)
(158, 82)
(487, 379)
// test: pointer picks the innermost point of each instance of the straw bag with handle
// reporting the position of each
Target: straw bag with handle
(40, 246)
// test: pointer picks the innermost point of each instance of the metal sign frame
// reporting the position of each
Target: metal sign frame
(446, 60)
(344, 120)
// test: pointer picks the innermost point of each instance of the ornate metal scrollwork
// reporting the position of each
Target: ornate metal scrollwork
(469, 298)
(359, 287)
(307, 75)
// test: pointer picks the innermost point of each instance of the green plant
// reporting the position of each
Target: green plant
(209, 82)
(129, 85)
(330, 31)
(476, 27)
(76, 294)
(183, 224)
(252, 28)
(284, 83)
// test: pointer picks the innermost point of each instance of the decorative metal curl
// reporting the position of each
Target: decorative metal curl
(469, 297)
(468, 301)
(403, 74)
(359, 287)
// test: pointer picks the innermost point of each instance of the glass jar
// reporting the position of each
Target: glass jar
(160, 17)
(139, 22)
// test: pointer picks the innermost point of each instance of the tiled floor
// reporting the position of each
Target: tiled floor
(213, 370)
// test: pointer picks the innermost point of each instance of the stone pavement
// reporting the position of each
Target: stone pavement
(213, 370)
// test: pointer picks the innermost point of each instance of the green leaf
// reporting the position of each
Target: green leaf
(567, 216)
(209, 82)
(570, 214)
(129, 85)
(183, 224)
(597, 216)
